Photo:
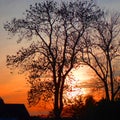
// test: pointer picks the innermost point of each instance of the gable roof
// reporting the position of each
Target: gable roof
(17, 111)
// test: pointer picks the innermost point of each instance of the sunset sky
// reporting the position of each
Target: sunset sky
(13, 87)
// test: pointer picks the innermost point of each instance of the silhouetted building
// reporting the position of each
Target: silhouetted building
(13, 111)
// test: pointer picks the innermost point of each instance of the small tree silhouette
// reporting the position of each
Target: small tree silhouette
(83, 108)
(1, 101)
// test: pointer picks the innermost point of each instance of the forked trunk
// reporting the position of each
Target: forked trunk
(107, 92)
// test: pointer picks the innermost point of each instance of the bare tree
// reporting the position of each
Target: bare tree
(54, 52)
(99, 50)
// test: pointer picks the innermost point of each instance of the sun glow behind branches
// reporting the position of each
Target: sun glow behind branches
(79, 75)
(74, 91)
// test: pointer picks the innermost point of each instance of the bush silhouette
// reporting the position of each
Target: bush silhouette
(107, 110)
(102, 110)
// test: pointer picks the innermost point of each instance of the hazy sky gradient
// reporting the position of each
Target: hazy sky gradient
(13, 85)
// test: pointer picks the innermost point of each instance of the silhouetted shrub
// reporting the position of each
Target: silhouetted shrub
(84, 109)
(107, 110)
(102, 110)
(1, 101)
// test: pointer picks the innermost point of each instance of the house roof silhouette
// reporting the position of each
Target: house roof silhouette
(13, 112)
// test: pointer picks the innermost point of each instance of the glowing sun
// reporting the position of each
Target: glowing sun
(80, 75)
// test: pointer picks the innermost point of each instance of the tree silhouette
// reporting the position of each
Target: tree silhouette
(89, 109)
(99, 50)
(56, 29)
(83, 108)
(1, 101)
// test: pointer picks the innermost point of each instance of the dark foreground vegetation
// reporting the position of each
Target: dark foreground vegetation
(104, 110)
(91, 110)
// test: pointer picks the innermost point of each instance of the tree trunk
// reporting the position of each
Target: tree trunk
(61, 99)
(111, 81)
(106, 91)
(111, 76)
(57, 111)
